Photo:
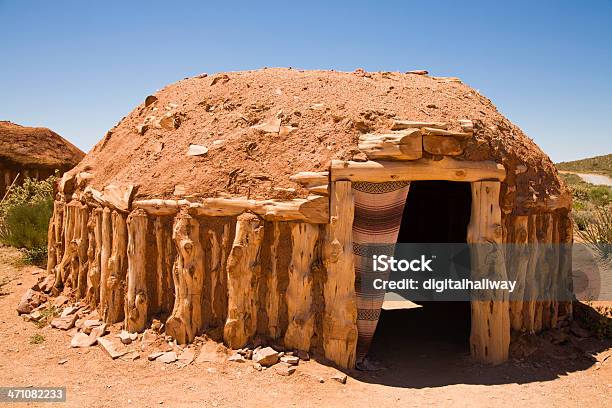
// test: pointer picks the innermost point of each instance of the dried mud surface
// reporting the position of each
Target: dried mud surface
(326, 112)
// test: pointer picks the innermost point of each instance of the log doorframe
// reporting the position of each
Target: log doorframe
(490, 321)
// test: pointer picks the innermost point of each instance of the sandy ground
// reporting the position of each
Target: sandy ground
(425, 368)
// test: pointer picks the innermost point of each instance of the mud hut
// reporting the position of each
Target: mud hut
(232, 205)
(33, 152)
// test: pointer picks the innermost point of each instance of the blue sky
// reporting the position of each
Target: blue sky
(79, 67)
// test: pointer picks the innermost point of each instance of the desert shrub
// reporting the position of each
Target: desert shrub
(587, 193)
(587, 200)
(36, 338)
(598, 232)
(582, 218)
(24, 218)
(600, 195)
(35, 256)
(47, 314)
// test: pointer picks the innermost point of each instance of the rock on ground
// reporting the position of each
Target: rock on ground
(30, 301)
(127, 337)
(154, 356)
(341, 378)
(167, 357)
(236, 358)
(293, 360)
(266, 356)
(284, 369)
(82, 340)
(64, 323)
(110, 348)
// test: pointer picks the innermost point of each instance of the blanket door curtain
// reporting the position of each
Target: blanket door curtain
(378, 217)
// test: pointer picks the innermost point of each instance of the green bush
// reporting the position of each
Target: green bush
(598, 233)
(35, 256)
(24, 218)
(600, 195)
(588, 202)
(583, 218)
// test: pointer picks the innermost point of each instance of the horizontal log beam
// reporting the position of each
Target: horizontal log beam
(447, 79)
(314, 209)
(423, 169)
(442, 132)
(322, 190)
(311, 178)
(402, 145)
(412, 124)
(157, 206)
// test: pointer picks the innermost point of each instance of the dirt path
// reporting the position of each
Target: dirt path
(439, 374)
(597, 179)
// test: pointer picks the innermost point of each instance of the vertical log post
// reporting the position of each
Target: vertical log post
(114, 265)
(218, 244)
(137, 304)
(543, 272)
(490, 334)
(51, 243)
(531, 284)
(165, 256)
(299, 294)
(58, 232)
(554, 273)
(273, 297)
(340, 317)
(517, 269)
(243, 272)
(82, 240)
(186, 319)
(70, 248)
(105, 251)
(565, 267)
(94, 255)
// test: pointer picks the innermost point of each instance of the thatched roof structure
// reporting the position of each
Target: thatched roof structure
(260, 127)
(35, 147)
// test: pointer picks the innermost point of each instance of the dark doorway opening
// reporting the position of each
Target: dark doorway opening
(421, 334)
(436, 211)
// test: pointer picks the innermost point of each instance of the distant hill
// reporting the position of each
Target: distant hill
(597, 164)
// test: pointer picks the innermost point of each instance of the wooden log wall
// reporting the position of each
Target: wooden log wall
(540, 261)
(245, 270)
(242, 276)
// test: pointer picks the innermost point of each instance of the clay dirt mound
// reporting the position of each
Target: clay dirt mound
(36, 147)
(260, 127)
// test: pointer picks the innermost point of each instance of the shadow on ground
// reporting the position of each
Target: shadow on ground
(428, 347)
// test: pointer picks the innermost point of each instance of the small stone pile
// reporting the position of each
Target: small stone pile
(44, 305)
(284, 363)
